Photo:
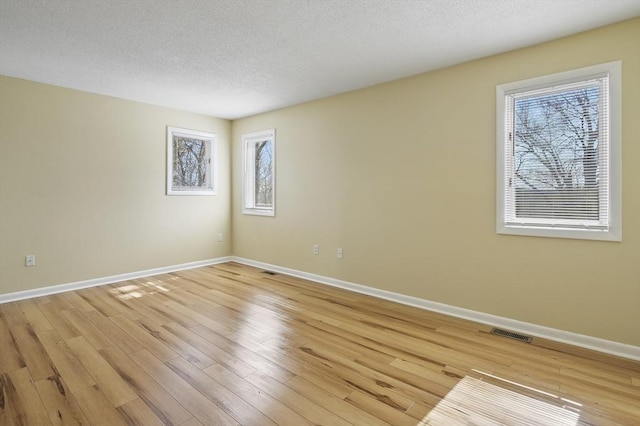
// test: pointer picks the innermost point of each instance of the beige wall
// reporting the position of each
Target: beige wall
(82, 186)
(402, 177)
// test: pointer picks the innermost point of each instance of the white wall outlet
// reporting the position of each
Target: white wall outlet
(316, 249)
(339, 253)
(30, 260)
(220, 237)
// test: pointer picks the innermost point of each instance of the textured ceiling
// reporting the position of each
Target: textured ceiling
(232, 59)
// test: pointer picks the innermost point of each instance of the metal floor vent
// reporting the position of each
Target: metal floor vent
(269, 273)
(512, 335)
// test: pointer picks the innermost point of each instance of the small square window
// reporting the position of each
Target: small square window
(259, 173)
(191, 157)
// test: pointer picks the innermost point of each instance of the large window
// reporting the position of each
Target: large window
(191, 157)
(559, 155)
(259, 173)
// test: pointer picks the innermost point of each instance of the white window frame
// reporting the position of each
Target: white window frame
(613, 231)
(249, 205)
(211, 157)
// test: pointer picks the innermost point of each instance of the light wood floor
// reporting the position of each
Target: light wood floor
(230, 344)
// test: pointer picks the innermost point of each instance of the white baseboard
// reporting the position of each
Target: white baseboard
(579, 340)
(45, 291)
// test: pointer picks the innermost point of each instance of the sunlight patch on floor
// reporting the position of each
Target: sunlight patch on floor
(137, 290)
(475, 402)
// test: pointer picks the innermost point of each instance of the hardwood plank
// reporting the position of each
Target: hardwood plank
(145, 338)
(396, 393)
(539, 377)
(383, 388)
(32, 351)
(192, 422)
(314, 330)
(95, 299)
(250, 357)
(419, 370)
(303, 361)
(328, 382)
(382, 411)
(618, 384)
(221, 356)
(113, 333)
(13, 314)
(182, 348)
(136, 412)
(305, 407)
(337, 406)
(178, 295)
(593, 356)
(54, 313)
(197, 404)
(78, 302)
(21, 403)
(164, 406)
(242, 369)
(110, 296)
(615, 400)
(93, 334)
(381, 349)
(97, 407)
(10, 358)
(61, 405)
(34, 316)
(152, 306)
(166, 314)
(199, 318)
(65, 361)
(57, 299)
(219, 395)
(110, 382)
(419, 411)
(271, 407)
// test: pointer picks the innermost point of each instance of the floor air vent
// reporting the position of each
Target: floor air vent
(512, 335)
(269, 273)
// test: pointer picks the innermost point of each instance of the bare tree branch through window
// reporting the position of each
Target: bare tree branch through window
(190, 162)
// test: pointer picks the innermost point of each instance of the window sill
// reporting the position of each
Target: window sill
(259, 212)
(548, 232)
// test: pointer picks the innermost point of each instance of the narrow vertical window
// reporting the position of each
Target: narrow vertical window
(259, 173)
(558, 159)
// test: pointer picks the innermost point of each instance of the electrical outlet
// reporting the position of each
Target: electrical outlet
(316, 249)
(220, 237)
(30, 260)
(339, 253)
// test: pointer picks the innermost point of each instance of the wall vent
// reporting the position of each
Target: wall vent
(512, 335)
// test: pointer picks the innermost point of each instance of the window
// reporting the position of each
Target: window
(559, 155)
(259, 173)
(191, 157)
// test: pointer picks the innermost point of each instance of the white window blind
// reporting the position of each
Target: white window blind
(556, 158)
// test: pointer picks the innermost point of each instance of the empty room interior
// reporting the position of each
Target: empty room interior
(298, 212)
